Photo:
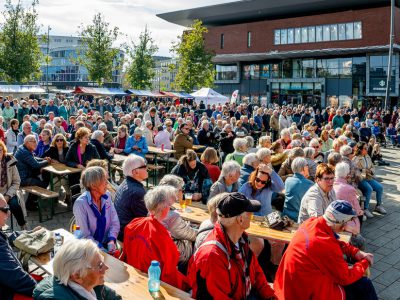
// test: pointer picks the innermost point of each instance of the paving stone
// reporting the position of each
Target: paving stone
(383, 251)
(392, 292)
(382, 266)
(388, 277)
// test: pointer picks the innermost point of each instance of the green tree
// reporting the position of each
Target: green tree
(140, 70)
(20, 54)
(195, 67)
(97, 53)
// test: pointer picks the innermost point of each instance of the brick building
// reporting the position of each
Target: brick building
(301, 51)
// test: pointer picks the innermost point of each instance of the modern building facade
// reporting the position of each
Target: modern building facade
(64, 70)
(300, 51)
(165, 70)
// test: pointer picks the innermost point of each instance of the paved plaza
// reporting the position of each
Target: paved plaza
(382, 232)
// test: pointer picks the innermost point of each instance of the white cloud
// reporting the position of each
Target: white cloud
(130, 16)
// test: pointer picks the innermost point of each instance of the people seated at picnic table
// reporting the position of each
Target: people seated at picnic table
(182, 141)
(278, 155)
(368, 183)
(79, 273)
(210, 158)
(162, 138)
(224, 266)
(240, 146)
(146, 239)
(29, 168)
(285, 171)
(94, 210)
(111, 186)
(81, 150)
(295, 188)
(228, 180)
(44, 143)
(193, 172)
(97, 139)
(108, 142)
(129, 199)
(13, 278)
(313, 265)
(136, 143)
(182, 233)
(120, 139)
(26, 130)
(11, 136)
(320, 195)
(250, 163)
(393, 135)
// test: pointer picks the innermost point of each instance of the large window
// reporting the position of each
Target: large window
(226, 72)
(322, 33)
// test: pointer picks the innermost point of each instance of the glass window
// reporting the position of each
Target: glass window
(287, 69)
(308, 68)
(304, 35)
(311, 34)
(334, 33)
(326, 33)
(249, 39)
(255, 71)
(246, 72)
(297, 35)
(222, 41)
(349, 31)
(226, 72)
(342, 32)
(275, 71)
(264, 72)
(277, 37)
(357, 30)
(345, 66)
(290, 36)
(297, 68)
(283, 36)
(318, 33)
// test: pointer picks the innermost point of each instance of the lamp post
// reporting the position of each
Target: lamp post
(47, 60)
(389, 71)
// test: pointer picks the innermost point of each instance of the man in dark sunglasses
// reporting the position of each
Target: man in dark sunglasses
(13, 278)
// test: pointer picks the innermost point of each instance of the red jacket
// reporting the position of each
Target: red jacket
(211, 278)
(146, 239)
(313, 266)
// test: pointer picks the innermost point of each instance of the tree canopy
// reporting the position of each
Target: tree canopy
(195, 67)
(20, 54)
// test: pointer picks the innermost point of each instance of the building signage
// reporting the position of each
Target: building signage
(378, 85)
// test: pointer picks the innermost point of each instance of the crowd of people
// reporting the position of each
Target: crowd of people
(317, 167)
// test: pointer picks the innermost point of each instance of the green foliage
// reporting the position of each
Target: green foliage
(97, 52)
(20, 54)
(195, 67)
(140, 70)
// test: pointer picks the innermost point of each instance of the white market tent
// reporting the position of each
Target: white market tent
(209, 96)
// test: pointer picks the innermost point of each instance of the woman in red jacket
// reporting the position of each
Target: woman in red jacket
(209, 158)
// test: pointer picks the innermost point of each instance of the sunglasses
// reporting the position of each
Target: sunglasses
(5, 209)
(59, 140)
(261, 181)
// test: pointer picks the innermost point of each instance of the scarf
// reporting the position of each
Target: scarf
(100, 223)
(3, 180)
(90, 295)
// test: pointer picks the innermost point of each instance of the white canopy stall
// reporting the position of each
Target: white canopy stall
(209, 96)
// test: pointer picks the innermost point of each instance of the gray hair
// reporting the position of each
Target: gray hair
(250, 141)
(132, 162)
(203, 123)
(262, 153)
(212, 205)
(263, 139)
(29, 138)
(230, 167)
(159, 198)
(342, 169)
(295, 143)
(298, 164)
(345, 150)
(285, 131)
(172, 180)
(240, 144)
(73, 258)
(96, 134)
(296, 152)
(26, 123)
(102, 126)
(92, 176)
(249, 159)
(334, 158)
(314, 142)
(309, 152)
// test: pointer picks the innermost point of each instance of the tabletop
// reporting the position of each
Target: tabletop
(61, 169)
(158, 151)
(127, 281)
(118, 159)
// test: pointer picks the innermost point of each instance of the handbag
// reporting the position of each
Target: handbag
(34, 243)
(275, 221)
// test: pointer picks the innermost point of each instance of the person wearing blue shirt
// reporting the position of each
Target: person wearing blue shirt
(295, 188)
(136, 144)
(376, 131)
(262, 183)
(392, 133)
(52, 107)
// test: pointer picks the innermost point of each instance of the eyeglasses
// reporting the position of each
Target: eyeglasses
(328, 178)
(59, 140)
(261, 181)
(5, 209)
(99, 267)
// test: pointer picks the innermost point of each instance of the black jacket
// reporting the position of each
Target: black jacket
(193, 178)
(226, 143)
(101, 150)
(13, 279)
(72, 155)
(52, 152)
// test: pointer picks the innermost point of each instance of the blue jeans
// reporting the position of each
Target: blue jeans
(366, 187)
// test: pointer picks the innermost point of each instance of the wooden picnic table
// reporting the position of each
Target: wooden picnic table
(127, 281)
(118, 159)
(59, 170)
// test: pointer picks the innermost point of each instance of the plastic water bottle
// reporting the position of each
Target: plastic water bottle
(154, 274)
(77, 232)
(57, 242)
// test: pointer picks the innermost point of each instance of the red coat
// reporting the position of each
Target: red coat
(313, 266)
(146, 239)
(210, 277)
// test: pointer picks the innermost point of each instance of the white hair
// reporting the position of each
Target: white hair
(229, 168)
(172, 180)
(132, 162)
(102, 126)
(345, 150)
(250, 141)
(159, 198)
(73, 258)
(249, 159)
(298, 164)
(285, 131)
(240, 144)
(92, 176)
(262, 153)
(309, 152)
(96, 134)
(314, 142)
(342, 169)
(295, 143)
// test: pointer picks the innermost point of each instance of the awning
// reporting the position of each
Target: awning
(62, 91)
(98, 91)
(22, 89)
(170, 94)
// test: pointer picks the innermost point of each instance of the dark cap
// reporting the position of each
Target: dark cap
(234, 204)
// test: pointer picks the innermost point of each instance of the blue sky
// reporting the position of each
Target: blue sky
(131, 16)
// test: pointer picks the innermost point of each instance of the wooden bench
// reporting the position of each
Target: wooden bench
(44, 197)
(153, 169)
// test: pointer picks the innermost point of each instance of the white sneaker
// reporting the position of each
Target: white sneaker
(364, 218)
(368, 214)
(380, 210)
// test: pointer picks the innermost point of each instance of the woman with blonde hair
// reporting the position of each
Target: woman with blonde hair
(210, 158)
